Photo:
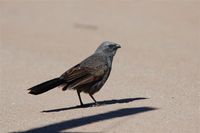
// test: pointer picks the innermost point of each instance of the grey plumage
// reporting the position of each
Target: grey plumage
(88, 76)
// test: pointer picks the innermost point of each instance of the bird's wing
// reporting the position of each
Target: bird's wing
(82, 75)
(75, 73)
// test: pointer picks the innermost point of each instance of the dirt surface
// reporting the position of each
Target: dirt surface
(154, 83)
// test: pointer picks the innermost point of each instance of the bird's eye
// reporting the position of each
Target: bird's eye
(111, 46)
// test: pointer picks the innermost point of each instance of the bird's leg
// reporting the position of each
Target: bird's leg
(79, 96)
(93, 98)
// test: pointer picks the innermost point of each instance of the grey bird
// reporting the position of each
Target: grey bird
(88, 76)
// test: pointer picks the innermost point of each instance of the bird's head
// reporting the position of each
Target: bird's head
(108, 48)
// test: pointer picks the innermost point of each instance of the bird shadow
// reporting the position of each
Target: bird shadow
(100, 103)
(82, 121)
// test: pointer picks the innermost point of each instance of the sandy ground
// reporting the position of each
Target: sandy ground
(154, 84)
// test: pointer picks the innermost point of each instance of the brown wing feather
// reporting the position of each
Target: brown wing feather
(80, 76)
(74, 73)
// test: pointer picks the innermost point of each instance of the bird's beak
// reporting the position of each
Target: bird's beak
(118, 46)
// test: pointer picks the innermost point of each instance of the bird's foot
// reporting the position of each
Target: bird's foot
(81, 105)
(96, 104)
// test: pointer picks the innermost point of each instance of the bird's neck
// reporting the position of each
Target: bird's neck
(110, 60)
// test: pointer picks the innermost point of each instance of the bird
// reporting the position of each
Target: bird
(88, 76)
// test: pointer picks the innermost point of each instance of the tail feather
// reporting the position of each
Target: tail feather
(46, 86)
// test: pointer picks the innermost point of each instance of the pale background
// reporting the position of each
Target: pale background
(159, 60)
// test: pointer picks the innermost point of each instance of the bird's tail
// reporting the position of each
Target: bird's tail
(46, 86)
